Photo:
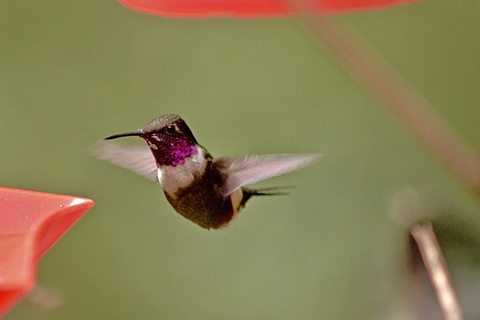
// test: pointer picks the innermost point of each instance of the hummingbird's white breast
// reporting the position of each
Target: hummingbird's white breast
(173, 178)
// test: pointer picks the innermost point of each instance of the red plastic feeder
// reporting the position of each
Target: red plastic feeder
(252, 8)
(30, 223)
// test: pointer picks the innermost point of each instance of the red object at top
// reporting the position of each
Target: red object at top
(30, 223)
(252, 8)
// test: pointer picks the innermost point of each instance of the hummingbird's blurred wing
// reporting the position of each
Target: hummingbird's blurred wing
(245, 170)
(135, 158)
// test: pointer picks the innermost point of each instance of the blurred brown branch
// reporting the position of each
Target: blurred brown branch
(437, 270)
(412, 110)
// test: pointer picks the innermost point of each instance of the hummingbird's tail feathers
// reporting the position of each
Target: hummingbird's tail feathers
(246, 170)
(138, 159)
(248, 193)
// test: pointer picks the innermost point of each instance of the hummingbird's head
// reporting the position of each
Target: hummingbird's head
(169, 138)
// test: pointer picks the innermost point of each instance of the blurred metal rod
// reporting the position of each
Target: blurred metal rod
(412, 110)
(437, 270)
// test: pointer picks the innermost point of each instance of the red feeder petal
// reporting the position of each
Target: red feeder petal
(250, 8)
(30, 223)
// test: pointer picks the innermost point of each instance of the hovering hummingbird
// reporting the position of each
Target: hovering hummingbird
(208, 191)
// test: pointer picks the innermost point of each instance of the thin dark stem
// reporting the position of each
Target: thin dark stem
(437, 270)
(413, 111)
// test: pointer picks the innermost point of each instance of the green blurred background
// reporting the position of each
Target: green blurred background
(72, 73)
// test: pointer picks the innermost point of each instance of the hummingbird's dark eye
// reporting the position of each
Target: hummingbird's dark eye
(171, 128)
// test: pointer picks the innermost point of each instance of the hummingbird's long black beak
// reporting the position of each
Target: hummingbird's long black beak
(137, 133)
